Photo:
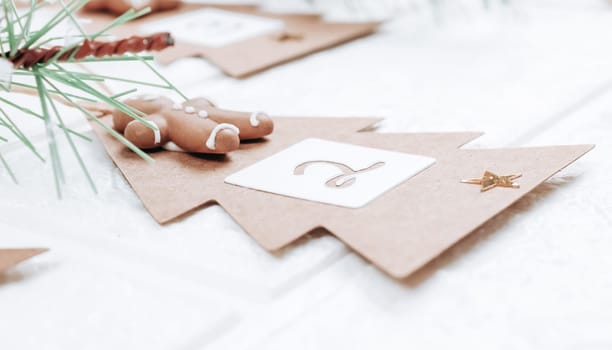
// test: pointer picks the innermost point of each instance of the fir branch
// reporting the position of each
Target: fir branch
(75, 151)
(55, 157)
(40, 70)
(13, 128)
(108, 129)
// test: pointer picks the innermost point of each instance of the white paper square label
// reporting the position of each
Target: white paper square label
(213, 27)
(331, 172)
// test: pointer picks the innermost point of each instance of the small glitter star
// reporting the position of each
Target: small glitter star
(490, 180)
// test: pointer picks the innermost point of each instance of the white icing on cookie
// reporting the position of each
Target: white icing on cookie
(189, 110)
(253, 119)
(211, 142)
(203, 114)
(155, 129)
(177, 107)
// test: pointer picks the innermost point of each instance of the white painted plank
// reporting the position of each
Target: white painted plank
(71, 297)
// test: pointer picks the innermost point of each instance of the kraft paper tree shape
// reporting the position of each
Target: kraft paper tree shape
(12, 257)
(34, 61)
(399, 231)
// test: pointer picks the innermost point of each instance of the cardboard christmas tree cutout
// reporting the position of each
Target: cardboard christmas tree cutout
(12, 257)
(397, 199)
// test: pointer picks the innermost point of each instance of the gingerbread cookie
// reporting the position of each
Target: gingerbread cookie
(196, 126)
(119, 7)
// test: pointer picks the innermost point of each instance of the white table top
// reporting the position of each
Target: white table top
(536, 276)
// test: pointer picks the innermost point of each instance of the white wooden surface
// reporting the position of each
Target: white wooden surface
(536, 277)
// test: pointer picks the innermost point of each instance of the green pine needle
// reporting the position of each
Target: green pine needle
(8, 169)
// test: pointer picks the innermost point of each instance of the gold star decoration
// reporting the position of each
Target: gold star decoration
(399, 231)
(490, 180)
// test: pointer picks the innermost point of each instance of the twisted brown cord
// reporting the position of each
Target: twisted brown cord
(27, 58)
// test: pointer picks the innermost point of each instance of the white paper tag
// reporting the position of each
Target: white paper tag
(213, 27)
(331, 172)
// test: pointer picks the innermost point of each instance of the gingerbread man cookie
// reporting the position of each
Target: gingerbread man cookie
(119, 7)
(196, 126)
